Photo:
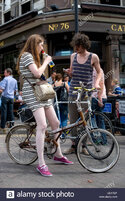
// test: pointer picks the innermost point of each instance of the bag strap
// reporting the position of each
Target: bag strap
(32, 85)
(37, 83)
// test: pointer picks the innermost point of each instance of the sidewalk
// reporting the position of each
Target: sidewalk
(64, 176)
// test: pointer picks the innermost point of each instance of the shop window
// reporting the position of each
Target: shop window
(123, 2)
(122, 65)
(63, 52)
(26, 7)
(7, 16)
(110, 2)
(96, 47)
(62, 45)
(7, 4)
(9, 60)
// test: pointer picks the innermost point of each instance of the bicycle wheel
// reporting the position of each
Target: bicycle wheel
(21, 145)
(93, 160)
(99, 120)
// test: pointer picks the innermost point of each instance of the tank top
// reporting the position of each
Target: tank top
(81, 72)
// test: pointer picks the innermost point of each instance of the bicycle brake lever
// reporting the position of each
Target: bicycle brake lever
(74, 92)
(81, 84)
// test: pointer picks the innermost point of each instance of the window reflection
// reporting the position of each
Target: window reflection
(122, 65)
(7, 4)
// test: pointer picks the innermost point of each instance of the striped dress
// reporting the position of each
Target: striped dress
(81, 72)
(27, 90)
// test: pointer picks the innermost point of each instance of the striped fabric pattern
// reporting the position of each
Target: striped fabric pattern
(28, 93)
(81, 72)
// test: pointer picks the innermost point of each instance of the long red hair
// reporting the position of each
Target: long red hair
(31, 46)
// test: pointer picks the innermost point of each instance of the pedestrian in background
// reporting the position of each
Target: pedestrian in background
(30, 67)
(20, 101)
(66, 79)
(99, 98)
(62, 89)
(8, 87)
(116, 88)
(51, 79)
(82, 63)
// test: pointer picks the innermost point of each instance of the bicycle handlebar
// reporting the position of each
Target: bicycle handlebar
(85, 89)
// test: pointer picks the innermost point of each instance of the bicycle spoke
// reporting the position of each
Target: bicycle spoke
(101, 159)
(99, 120)
(21, 148)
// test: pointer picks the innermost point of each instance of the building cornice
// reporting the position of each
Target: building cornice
(89, 7)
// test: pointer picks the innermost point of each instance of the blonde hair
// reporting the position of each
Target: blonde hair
(31, 46)
(115, 81)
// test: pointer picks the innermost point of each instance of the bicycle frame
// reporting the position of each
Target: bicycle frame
(80, 121)
(88, 101)
(78, 102)
(79, 108)
(85, 133)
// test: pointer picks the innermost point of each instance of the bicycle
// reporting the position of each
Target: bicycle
(21, 147)
(95, 119)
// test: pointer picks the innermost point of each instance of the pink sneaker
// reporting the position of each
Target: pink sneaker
(43, 170)
(63, 160)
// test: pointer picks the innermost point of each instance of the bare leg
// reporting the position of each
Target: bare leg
(39, 115)
(54, 123)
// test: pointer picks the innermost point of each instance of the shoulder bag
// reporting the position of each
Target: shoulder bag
(64, 93)
(42, 89)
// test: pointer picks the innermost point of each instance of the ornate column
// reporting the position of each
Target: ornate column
(112, 59)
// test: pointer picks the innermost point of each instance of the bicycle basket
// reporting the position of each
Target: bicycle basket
(26, 115)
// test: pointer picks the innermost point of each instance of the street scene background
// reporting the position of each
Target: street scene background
(104, 22)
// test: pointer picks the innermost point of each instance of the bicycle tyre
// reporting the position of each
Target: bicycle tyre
(14, 143)
(100, 116)
(96, 115)
(99, 142)
(91, 163)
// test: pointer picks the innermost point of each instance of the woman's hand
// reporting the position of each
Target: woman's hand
(100, 103)
(37, 72)
(48, 59)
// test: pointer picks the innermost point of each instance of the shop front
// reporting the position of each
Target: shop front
(107, 37)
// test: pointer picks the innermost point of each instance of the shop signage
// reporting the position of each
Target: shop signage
(122, 120)
(122, 107)
(1, 43)
(108, 108)
(58, 26)
(118, 27)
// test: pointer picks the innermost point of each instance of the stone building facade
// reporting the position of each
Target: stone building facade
(102, 20)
